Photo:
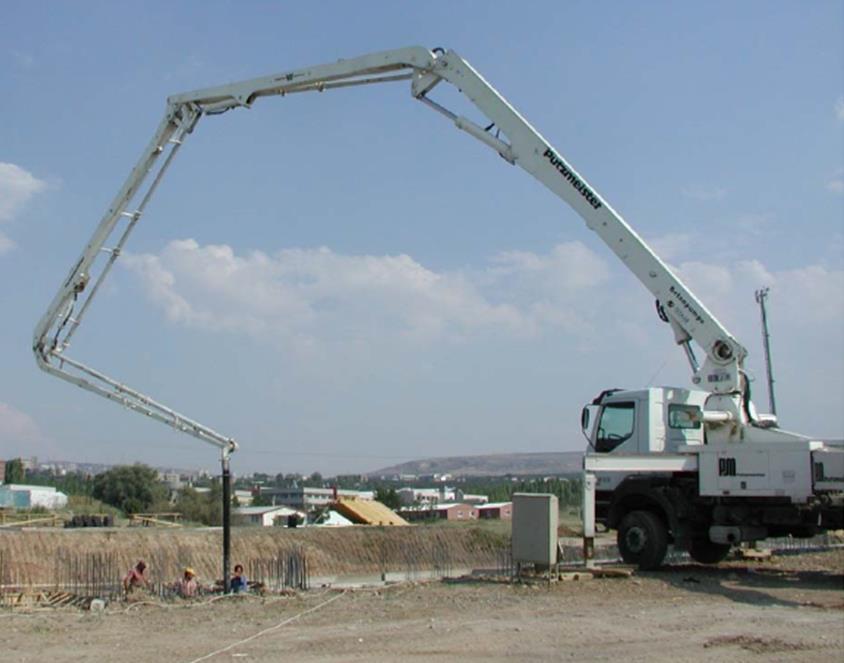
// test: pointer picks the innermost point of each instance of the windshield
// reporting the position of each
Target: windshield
(616, 425)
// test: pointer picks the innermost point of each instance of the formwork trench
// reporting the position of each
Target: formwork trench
(93, 562)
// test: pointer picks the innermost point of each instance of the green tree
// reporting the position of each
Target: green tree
(388, 497)
(262, 500)
(131, 488)
(313, 481)
(215, 503)
(202, 507)
(194, 506)
(72, 483)
(14, 471)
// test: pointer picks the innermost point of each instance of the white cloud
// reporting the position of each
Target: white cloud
(809, 297)
(745, 230)
(17, 428)
(754, 224)
(20, 435)
(836, 182)
(17, 187)
(815, 294)
(672, 246)
(6, 244)
(839, 108)
(569, 266)
(753, 271)
(304, 293)
(330, 318)
(722, 286)
(316, 300)
(709, 282)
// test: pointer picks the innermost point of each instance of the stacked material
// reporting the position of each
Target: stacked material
(368, 512)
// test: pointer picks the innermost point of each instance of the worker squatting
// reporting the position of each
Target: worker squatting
(584, 190)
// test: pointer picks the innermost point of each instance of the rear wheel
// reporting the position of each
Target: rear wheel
(705, 551)
(642, 540)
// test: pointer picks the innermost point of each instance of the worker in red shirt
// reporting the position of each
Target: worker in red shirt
(135, 578)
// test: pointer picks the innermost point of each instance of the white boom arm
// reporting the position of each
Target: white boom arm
(520, 144)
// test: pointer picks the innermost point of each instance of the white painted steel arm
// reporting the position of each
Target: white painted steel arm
(528, 149)
(523, 146)
(372, 68)
(64, 315)
(59, 323)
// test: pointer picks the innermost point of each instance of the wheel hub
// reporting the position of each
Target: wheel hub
(636, 538)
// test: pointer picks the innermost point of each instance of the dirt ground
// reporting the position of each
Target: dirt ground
(786, 609)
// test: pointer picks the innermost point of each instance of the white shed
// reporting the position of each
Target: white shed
(25, 497)
(266, 516)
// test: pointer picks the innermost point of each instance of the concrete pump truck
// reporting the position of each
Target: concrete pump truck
(699, 468)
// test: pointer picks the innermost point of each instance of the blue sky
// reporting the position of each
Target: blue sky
(342, 281)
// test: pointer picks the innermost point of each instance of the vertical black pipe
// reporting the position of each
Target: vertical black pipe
(227, 502)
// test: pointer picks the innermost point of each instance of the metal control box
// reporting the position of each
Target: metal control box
(534, 537)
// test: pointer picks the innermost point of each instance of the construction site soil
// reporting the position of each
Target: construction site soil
(788, 608)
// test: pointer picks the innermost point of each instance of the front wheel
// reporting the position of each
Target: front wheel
(705, 551)
(642, 540)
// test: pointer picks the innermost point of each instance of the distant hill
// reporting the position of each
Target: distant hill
(517, 464)
(567, 462)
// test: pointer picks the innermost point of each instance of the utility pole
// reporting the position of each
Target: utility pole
(761, 296)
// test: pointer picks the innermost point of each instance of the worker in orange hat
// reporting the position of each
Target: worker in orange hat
(188, 586)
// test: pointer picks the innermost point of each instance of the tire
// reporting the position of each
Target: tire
(705, 551)
(642, 540)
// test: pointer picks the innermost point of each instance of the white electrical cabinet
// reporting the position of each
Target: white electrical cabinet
(534, 537)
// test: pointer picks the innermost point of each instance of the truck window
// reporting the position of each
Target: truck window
(684, 416)
(616, 426)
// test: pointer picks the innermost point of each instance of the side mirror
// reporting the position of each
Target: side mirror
(588, 418)
(584, 419)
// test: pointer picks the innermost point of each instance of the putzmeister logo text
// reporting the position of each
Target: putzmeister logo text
(575, 181)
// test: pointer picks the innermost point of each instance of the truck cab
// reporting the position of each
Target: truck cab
(644, 421)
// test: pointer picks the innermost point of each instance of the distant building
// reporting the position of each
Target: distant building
(468, 498)
(495, 511)
(244, 497)
(54, 468)
(310, 499)
(266, 516)
(26, 497)
(411, 496)
(173, 481)
(439, 512)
